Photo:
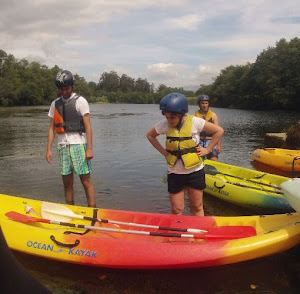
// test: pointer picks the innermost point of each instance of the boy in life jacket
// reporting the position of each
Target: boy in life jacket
(70, 121)
(182, 152)
(205, 137)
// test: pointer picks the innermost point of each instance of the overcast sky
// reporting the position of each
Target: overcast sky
(181, 43)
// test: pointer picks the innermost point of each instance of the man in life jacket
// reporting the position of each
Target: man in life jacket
(70, 121)
(182, 152)
(205, 137)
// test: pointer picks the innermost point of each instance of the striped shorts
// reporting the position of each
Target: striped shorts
(72, 159)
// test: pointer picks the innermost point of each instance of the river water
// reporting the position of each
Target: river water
(129, 174)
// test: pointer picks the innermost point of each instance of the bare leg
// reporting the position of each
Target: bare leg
(196, 200)
(68, 186)
(214, 158)
(177, 202)
(89, 189)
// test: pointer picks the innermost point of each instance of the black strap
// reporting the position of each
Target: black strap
(179, 153)
(63, 124)
(172, 139)
(86, 231)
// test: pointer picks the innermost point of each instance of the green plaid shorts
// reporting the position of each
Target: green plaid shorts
(72, 159)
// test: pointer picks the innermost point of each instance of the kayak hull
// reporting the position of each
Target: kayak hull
(246, 187)
(283, 159)
(275, 233)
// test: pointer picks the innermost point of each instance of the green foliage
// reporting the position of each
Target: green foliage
(271, 82)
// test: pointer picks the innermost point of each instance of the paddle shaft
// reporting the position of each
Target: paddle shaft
(64, 211)
(215, 171)
(232, 233)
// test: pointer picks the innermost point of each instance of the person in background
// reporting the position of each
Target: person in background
(70, 121)
(205, 137)
(182, 153)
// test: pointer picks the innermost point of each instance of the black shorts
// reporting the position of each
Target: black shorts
(195, 180)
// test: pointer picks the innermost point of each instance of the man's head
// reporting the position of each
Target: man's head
(64, 82)
(203, 102)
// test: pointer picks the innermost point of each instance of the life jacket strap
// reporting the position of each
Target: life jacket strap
(179, 153)
(172, 139)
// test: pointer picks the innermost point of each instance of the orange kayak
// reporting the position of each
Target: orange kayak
(109, 244)
(283, 159)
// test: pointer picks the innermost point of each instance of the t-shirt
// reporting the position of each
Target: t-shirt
(83, 108)
(197, 126)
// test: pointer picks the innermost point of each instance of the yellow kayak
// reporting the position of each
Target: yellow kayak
(283, 159)
(224, 240)
(245, 187)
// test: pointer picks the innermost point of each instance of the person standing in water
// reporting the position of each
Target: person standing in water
(183, 152)
(210, 116)
(70, 121)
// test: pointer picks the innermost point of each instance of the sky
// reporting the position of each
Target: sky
(178, 43)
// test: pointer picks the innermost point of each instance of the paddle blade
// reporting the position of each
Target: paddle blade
(25, 218)
(230, 233)
(58, 212)
(291, 191)
(210, 170)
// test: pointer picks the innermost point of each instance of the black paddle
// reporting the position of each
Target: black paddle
(211, 170)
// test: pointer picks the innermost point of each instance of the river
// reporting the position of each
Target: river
(129, 174)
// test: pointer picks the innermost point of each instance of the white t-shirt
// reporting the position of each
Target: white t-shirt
(197, 126)
(83, 108)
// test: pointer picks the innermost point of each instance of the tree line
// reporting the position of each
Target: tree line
(271, 82)
(31, 83)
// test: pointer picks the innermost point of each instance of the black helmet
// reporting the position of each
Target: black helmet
(174, 102)
(202, 97)
(64, 78)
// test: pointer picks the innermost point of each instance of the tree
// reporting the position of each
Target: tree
(109, 81)
(126, 83)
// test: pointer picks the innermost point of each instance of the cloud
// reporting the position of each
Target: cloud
(186, 22)
(175, 42)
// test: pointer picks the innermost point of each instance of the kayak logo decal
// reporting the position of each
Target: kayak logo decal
(53, 248)
(217, 190)
(40, 246)
(84, 253)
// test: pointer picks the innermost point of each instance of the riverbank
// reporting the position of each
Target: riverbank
(288, 140)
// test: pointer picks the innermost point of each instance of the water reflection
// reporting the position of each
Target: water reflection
(128, 173)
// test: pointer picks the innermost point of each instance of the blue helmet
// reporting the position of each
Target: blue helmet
(174, 102)
(203, 97)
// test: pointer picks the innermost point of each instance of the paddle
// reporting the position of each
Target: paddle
(218, 233)
(52, 210)
(211, 170)
(291, 191)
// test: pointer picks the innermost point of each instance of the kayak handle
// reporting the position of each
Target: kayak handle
(76, 243)
(221, 187)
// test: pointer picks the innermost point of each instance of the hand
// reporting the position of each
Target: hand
(201, 151)
(89, 154)
(49, 157)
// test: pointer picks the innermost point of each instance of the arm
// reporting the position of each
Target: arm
(217, 132)
(216, 122)
(50, 141)
(89, 136)
(151, 136)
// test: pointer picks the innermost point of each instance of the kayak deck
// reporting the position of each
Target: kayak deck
(245, 187)
(274, 233)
